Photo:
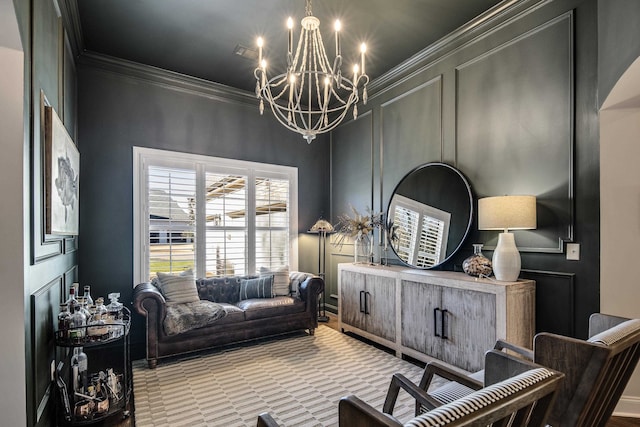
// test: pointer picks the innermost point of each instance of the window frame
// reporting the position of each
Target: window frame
(144, 157)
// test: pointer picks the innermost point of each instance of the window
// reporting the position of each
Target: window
(422, 231)
(217, 216)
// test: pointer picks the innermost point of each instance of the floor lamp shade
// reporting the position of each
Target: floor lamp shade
(506, 213)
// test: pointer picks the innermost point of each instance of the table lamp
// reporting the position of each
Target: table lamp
(322, 227)
(506, 213)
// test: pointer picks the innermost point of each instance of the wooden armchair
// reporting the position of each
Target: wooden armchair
(525, 398)
(596, 371)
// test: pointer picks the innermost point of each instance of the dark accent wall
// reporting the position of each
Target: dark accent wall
(511, 101)
(122, 105)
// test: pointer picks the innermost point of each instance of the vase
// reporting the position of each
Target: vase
(362, 250)
(477, 264)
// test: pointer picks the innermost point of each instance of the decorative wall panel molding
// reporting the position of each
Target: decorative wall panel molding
(515, 128)
(555, 301)
(43, 322)
(416, 112)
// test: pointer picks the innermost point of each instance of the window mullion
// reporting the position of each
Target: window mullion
(251, 222)
(201, 219)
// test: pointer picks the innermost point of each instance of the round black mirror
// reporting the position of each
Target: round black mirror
(429, 215)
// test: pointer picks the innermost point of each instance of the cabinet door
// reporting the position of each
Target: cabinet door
(352, 287)
(381, 306)
(470, 327)
(419, 300)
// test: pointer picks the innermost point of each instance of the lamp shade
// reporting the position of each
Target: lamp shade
(507, 213)
(322, 225)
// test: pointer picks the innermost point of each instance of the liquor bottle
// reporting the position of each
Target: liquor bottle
(72, 301)
(77, 325)
(79, 369)
(64, 317)
(87, 295)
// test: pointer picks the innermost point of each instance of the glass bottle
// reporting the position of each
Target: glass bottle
(114, 315)
(72, 301)
(77, 325)
(477, 264)
(79, 366)
(64, 318)
(87, 295)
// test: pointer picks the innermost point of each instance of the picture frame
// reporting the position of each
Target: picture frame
(62, 177)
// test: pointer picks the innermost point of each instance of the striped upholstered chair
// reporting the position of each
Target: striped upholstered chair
(523, 400)
(596, 371)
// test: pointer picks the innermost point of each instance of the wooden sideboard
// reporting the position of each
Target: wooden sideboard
(428, 315)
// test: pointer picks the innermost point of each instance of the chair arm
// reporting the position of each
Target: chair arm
(353, 412)
(266, 420)
(435, 368)
(147, 297)
(505, 345)
(399, 381)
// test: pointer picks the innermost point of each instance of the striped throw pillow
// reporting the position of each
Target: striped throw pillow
(256, 288)
(280, 279)
(178, 288)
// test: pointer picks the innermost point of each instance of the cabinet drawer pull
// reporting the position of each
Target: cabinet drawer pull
(435, 321)
(362, 301)
(445, 318)
(367, 302)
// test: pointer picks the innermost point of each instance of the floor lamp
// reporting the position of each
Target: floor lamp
(322, 227)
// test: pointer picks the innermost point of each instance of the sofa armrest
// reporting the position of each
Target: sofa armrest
(312, 287)
(149, 302)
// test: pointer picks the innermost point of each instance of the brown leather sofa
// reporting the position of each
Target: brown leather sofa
(243, 319)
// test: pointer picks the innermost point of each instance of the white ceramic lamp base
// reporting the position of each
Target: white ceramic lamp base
(506, 259)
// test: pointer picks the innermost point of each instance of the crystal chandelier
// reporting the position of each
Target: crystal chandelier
(312, 96)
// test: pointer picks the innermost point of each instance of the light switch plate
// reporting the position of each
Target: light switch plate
(573, 251)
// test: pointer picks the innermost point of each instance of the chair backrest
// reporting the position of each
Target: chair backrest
(597, 370)
(525, 399)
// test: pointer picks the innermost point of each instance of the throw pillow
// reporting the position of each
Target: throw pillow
(297, 277)
(280, 279)
(256, 288)
(178, 288)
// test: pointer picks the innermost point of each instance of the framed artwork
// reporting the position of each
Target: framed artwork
(62, 167)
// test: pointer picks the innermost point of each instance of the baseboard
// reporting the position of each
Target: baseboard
(628, 406)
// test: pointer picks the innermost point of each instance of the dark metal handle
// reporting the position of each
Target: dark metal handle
(445, 316)
(435, 321)
(363, 302)
(367, 303)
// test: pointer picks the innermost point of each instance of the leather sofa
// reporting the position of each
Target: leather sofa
(242, 320)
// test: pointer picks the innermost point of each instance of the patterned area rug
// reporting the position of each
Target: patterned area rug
(298, 378)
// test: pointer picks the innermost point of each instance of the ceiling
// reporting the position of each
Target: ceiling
(199, 37)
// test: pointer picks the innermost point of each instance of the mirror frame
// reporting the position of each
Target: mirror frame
(467, 186)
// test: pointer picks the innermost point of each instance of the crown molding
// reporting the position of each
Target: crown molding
(71, 21)
(477, 26)
(167, 79)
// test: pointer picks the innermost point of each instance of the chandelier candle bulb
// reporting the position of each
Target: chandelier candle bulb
(355, 74)
(363, 49)
(260, 43)
(290, 27)
(337, 27)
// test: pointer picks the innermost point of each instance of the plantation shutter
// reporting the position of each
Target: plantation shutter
(171, 215)
(272, 219)
(431, 235)
(407, 222)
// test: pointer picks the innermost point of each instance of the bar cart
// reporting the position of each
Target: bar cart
(91, 383)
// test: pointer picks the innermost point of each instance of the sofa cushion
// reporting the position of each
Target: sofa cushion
(280, 279)
(261, 287)
(268, 307)
(221, 289)
(178, 288)
(191, 315)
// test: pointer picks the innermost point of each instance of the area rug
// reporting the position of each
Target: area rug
(298, 378)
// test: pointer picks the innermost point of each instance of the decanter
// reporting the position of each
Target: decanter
(477, 264)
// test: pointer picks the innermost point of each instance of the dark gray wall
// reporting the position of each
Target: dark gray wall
(512, 104)
(618, 41)
(118, 111)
